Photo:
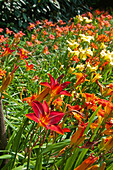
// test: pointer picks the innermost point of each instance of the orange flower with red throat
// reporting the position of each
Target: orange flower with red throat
(28, 67)
(45, 117)
(30, 99)
(80, 78)
(78, 135)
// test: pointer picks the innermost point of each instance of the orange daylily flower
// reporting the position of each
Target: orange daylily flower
(46, 51)
(2, 73)
(29, 43)
(108, 144)
(109, 124)
(94, 167)
(7, 80)
(7, 51)
(87, 163)
(55, 47)
(23, 54)
(8, 31)
(80, 78)
(30, 99)
(28, 67)
(79, 116)
(45, 117)
(79, 134)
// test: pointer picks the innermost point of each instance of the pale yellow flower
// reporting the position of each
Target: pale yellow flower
(72, 43)
(87, 20)
(73, 52)
(90, 68)
(89, 51)
(97, 77)
(80, 67)
(86, 38)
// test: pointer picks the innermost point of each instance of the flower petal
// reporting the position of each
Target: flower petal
(60, 77)
(65, 84)
(56, 129)
(45, 107)
(66, 130)
(56, 89)
(52, 80)
(64, 92)
(38, 108)
(45, 84)
(55, 117)
(32, 117)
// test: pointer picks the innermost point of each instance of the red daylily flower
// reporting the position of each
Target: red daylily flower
(55, 87)
(44, 117)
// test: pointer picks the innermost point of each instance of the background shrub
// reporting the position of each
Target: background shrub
(16, 14)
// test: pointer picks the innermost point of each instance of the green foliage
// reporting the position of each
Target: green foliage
(16, 14)
(100, 4)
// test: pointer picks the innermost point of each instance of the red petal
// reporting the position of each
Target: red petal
(66, 130)
(56, 89)
(52, 80)
(56, 129)
(32, 117)
(45, 84)
(64, 85)
(60, 77)
(64, 92)
(55, 117)
(38, 108)
(45, 107)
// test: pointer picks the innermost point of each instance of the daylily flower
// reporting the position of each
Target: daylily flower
(94, 167)
(54, 88)
(45, 117)
(80, 79)
(2, 73)
(30, 99)
(28, 67)
(87, 163)
(78, 136)
(108, 144)
(46, 51)
(7, 80)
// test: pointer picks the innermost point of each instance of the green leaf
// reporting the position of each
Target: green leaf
(12, 99)
(19, 168)
(81, 157)
(56, 146)
(91, 120)
(110, 167)
(6, 156)
(9, 123)
(38, 162)
(71, 159)
(25, 17)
